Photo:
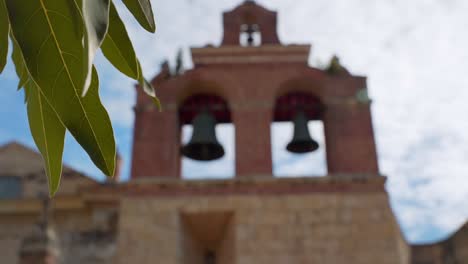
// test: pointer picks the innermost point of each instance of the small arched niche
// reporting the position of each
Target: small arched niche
(218, 108)
(287, 109)
(250, 35)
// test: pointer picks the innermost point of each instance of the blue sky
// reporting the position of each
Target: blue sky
(413, 52)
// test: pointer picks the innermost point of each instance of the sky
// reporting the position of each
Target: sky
(414, 54)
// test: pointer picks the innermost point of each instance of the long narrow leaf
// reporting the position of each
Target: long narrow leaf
(118, 49)
(4, 30)
(117, 46)
(148, 88)
(96, 17)
(99, 122)
(48, 133)
(50, 34)
(47, 130)
(20, 68)
(143, 12)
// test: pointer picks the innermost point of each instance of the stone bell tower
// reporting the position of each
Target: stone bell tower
(252, 80)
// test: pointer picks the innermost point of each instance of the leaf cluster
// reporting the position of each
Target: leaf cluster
(54, 43)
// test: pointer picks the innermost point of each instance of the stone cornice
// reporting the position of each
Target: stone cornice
(239, 186)
(242, 55)
(108, 195)
(34, 206)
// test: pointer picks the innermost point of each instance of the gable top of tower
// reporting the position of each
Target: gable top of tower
(250, 36)
(250, 17)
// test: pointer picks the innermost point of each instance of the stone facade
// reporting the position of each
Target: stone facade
(82, 238)
(334, 227)
(85, 230)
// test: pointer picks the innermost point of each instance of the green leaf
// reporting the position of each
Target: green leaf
(117, 46)
(20, 68)
(148, 89)
(142, 11)
(50, 34)
(118, 49)
(4, 29)
(48, 133)
(100, 123)
(47, 130)
(96, 18)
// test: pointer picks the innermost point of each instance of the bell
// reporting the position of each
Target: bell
(302, 142)
(204, 145)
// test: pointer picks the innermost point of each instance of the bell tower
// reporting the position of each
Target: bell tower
(252, 80)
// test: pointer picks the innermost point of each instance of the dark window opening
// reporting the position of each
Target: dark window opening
(208, 237)
(10, 187)
(210, 257)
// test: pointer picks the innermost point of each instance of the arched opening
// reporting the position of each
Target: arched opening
(207, 137)
(298, 141)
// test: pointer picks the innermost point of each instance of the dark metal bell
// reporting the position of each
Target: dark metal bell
(204, 145)
(302, 142)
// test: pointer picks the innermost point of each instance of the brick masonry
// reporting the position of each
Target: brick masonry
(251, 79)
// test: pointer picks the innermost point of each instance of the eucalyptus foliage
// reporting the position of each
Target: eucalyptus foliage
(54, 43)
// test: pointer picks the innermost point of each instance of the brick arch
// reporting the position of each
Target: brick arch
(200, 86)
(195, 93)
(303, 91)
(192, 105)
(287, 105)
(303, 84)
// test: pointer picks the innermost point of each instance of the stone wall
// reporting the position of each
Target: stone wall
(12, 230)
(313, 228)
(82, 238)
(148, 236)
